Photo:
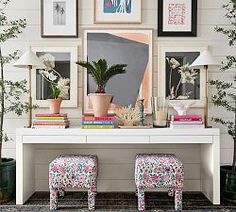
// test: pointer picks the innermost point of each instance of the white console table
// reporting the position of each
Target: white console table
(208, 139)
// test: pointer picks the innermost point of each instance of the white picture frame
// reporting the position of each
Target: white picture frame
(166, 49)
(59, 19)
(117, 11)
(72, 53)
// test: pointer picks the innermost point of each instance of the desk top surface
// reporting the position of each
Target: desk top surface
(118, 132)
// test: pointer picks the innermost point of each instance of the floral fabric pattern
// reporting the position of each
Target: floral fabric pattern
(159, 171)
(73, 171)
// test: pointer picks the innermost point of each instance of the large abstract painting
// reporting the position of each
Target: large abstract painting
(117, 11)
(177, 81)
(131, 47)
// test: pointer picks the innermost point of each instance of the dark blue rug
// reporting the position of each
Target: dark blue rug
(156, 202)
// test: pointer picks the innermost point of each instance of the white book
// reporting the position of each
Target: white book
(187, 126)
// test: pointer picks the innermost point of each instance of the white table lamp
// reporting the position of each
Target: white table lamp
(30, 61)
(205, 59)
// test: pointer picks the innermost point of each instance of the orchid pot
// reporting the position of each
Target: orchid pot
(54, 105)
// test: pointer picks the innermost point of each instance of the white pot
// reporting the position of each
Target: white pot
(101, 103)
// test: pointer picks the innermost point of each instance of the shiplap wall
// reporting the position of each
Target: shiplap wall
(116, 162)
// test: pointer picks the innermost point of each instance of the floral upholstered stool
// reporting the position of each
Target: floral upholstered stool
(159, 171)
(73, 171)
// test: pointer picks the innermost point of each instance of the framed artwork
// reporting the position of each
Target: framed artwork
(177, 18)
(177, 81)
(117, 11)
(63, 59)
(59, 18)
(121, 46)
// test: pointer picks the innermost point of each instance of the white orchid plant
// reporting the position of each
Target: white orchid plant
(187, 75)
(59, 86)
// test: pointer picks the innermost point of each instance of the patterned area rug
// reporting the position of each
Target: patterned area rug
(156, 202)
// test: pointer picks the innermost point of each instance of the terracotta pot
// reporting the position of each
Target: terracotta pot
(54, 105)
(101, 103)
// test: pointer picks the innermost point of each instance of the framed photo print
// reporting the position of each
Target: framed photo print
(177, 81)
(59, 18)
(132, 47)
(177, 18)
(62, 59)
(117, 11)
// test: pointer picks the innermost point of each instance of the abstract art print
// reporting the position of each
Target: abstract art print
(177, 80)
(121, 46)
(117, 11)
(59, 18)
(177, 17)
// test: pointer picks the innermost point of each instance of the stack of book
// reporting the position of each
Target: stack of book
(91, 122)
(186, 121)
(51, 121)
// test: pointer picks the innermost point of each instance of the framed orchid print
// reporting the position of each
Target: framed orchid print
(177, 18)
(177, 81)
(117, 11)
(132, 47)
(61, 69)
(59, 18)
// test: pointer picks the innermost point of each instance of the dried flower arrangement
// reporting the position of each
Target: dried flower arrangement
(128, 116)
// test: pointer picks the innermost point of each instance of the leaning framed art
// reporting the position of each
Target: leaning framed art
(177, 18)
(62, 59)
(59, 18)
(176, 80)
(132, 47)
(117, 11)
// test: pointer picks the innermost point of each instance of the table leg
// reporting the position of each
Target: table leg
(25, 171)
(210, 170)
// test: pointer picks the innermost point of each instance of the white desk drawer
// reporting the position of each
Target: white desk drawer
(118, 139)
(180, 139)
(55, 139)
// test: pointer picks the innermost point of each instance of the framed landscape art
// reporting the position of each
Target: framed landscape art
(117, 11)
(63, 60)
(177, 18)
(121, 46)
(59, 18)
(177, 81)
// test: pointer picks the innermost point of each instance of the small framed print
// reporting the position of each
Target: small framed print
(117, 11)
(62, 59)
(177, 18)
(177, 81)
(59, 18)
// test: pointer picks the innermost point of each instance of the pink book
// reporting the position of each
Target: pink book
(102, 118)
(186, 118)
(51, 115)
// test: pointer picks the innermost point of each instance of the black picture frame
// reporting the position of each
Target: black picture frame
(192, 33)
(44, 35)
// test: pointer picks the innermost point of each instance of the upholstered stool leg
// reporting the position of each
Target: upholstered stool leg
(53, 199)
(91, 199)
(178, 199)
(171, 192)
(61, 192)
(141, 199)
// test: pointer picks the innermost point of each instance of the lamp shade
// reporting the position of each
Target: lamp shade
(29, 59)
(204, 59)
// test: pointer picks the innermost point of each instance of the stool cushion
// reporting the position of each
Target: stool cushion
(158, 170)
(73, 171)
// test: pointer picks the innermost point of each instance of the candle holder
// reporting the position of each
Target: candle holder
(141, 108)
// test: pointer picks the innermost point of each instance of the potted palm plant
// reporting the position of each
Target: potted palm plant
(10, 101)
(226, 99)
(101, 73)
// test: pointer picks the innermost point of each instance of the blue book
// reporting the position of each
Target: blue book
(96, 122)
